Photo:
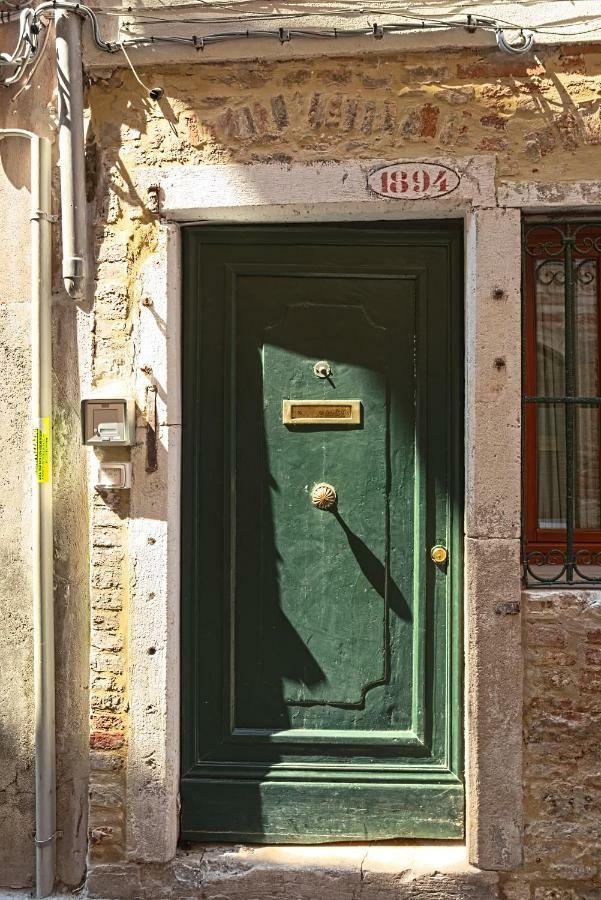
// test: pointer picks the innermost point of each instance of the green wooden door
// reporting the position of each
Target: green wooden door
(321, 663)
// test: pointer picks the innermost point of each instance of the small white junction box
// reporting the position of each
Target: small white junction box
(113, 476)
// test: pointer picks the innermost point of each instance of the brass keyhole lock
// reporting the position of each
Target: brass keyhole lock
(439, 554)
(322, 369)
(324, 496)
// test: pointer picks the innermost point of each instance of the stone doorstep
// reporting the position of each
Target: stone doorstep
(337, 871)
(445, 857)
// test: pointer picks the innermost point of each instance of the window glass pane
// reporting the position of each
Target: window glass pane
(551, 465)
(586, 467)
(587, 327)
(550, 327)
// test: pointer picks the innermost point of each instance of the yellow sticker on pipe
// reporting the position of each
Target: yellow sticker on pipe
(41, 450)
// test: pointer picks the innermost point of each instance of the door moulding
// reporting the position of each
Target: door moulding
(493, 653)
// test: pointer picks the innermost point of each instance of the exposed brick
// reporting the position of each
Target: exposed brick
(546, 636)
(333, 112)
(540, 143)
(491, 68)
(550, 657)
(106, 721)
(279, 111)
(112, 701)
(497, 95)
(101, 816)
(591, 125)
(110, 600)
(317, 111)
(106, 536)
(248, 76)
(554, 893)
(105, 621)
(493, 144)
(574, 63)
(105, 761)
(350, 114)
(473, 69)
(426, 74)
(389, 117)
(104, 683)
(217, 102)
(106, 662)
(453, 133)
(103, 836)
(296, 77)
(554, 679)
(101, 741)
(592, 656)
(342, 75)
(106, 578)
(109, 794)
(421, 123)
(492, 120)
(590, 681)
(568, 127)
(375, 81)
(261, 119)
(104, 641)
(369, 115)
(238, 123)
(456, 96)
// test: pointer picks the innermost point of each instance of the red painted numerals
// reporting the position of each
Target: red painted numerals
(418, 181)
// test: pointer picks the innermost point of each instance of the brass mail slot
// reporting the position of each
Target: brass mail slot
(321, 412)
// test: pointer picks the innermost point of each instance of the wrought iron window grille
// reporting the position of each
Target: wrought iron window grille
(561, 258)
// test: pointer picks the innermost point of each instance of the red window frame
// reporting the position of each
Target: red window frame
(544, 242)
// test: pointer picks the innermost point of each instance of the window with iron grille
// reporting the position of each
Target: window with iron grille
(562, 402)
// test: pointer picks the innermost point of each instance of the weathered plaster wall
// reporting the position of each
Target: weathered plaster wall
(540, 119)
(17, 801)
(16, 671)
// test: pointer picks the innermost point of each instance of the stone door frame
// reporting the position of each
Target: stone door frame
(321, 192)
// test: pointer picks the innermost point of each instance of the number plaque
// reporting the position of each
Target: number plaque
(414, 181)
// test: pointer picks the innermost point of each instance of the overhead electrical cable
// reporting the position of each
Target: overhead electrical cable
(31, 23)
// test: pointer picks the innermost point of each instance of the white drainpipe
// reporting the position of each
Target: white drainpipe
(42, 551)
(74, 240)
(71, 151)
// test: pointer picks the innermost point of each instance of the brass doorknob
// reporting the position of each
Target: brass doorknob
(439, 554)
(324, 496)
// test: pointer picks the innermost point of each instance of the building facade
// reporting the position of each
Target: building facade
(341, 633)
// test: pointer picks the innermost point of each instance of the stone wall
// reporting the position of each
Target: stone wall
(562, 750)
(540, 118)
(538, 114)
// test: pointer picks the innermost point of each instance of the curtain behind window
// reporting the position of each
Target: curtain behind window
(550, 375)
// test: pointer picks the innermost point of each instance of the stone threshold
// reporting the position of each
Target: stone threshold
(370, 871)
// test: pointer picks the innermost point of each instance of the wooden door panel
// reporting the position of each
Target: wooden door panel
(313, 590)
(320, 647)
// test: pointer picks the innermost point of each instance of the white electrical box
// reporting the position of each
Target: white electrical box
(108, 423)
(113, 476)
